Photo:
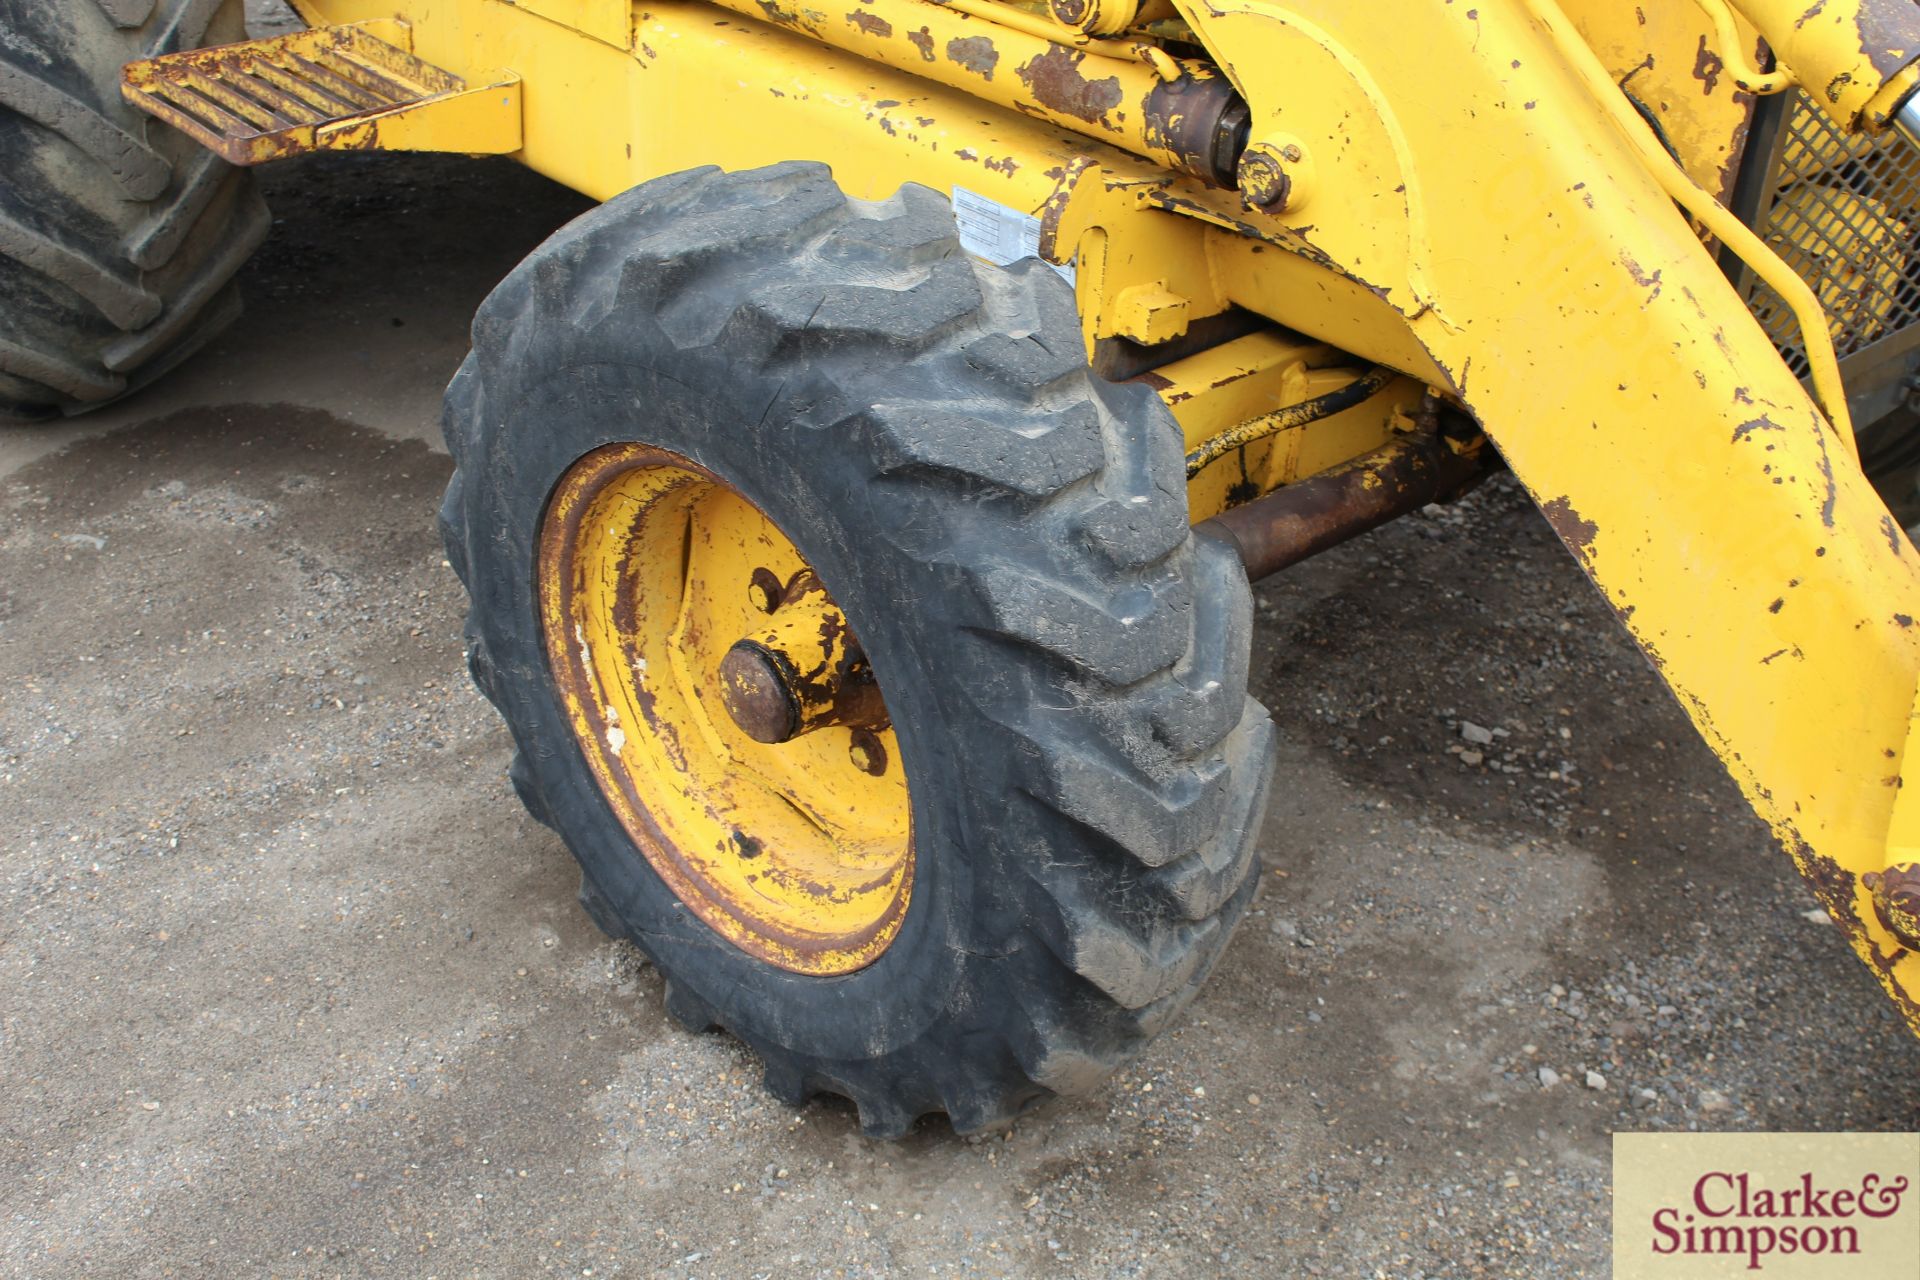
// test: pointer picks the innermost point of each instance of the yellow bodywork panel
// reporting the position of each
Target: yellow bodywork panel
(610, 21)
(1575, 312)
(1475, 210)
(1667, 57)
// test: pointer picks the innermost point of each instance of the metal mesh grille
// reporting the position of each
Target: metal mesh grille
(1845, 216)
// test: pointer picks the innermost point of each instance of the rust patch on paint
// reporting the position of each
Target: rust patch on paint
(976, 54)
(1574, 529)
(1056, 82)
(871, 23)
(1830, 882)
(1707, 66)
(1888, 34)
(1896, 900)
(1826, 471)
(1834, 886)
(1641, 277)
(923, 41)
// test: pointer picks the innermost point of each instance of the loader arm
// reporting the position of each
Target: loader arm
(1471, 179)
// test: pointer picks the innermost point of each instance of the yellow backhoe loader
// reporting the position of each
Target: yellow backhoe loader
(858, 506)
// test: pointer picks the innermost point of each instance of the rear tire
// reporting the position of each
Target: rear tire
(1065, 663)
(119, 236)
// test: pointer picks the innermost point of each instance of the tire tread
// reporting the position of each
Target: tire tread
(967, 387)
(120, 260)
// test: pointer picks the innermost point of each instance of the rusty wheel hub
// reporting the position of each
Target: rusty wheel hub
(802, 672)
(726, 710)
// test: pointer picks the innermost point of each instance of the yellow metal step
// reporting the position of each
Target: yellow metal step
(347, 88)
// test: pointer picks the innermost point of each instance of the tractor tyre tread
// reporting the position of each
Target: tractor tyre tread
(120, 237)
(1107, 770)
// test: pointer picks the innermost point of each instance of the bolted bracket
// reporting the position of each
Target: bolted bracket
(1150, 314)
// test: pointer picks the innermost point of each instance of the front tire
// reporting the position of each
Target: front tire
(1063, 661)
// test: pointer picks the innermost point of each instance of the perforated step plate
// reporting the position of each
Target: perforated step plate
(348, 88)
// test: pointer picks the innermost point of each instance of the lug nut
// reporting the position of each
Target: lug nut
(764, 590)
(868, 753)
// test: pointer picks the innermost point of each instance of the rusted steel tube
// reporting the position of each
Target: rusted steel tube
(1301, 520)
(1110, 17)
(1191, 123)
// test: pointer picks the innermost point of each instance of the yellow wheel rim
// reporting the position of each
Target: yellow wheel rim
(800, 852)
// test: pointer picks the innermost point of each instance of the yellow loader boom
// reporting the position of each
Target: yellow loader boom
(1322, 229)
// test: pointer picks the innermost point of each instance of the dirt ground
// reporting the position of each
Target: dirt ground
(294, 987)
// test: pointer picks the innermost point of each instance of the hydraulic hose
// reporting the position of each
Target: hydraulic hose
(1360, 390)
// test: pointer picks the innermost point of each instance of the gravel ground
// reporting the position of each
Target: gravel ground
(294, 987)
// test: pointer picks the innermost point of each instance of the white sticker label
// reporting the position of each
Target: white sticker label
(999, 233)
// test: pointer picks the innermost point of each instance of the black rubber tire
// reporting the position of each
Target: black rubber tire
(119, 236)
(1065, 662)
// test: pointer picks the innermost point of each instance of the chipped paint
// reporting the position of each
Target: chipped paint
(975, 53)
(1747, 428)
(1575, 530)
(1858, 55)
(1056, 80)
(1648, 280)
(1105, 91)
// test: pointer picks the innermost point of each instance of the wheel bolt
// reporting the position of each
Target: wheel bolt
(764, 590)
(868, 753)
